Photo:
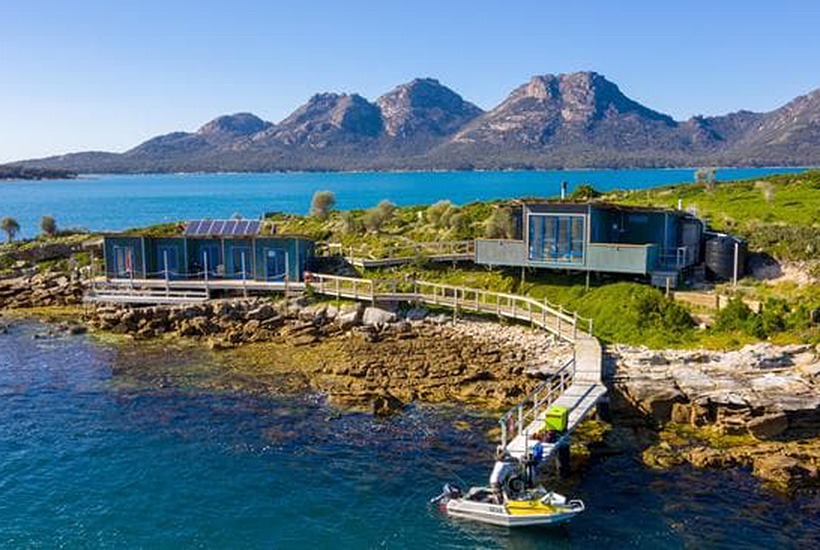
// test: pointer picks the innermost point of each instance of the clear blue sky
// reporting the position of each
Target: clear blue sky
(105, 75)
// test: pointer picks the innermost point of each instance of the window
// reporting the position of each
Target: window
(556, 238)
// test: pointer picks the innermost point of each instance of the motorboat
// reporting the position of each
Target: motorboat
(530, 508)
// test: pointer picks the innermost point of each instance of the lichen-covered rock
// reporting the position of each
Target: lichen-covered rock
(374, 316)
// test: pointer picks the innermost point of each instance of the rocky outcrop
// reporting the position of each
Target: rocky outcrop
(360, 356)
(764, 390)
(42, 290)
(758, 407)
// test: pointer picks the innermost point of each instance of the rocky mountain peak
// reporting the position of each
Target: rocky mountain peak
(331, 117)
(239, 124)
(424, 107)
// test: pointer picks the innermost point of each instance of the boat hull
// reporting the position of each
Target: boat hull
(498, 514)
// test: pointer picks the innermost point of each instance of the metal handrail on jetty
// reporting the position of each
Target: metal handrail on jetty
(515, 421)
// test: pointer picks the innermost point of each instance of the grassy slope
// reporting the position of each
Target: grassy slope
(779, 215)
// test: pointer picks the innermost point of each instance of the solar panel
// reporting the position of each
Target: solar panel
(244, 228)
(191, 227)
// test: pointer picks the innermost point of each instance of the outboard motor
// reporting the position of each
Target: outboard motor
(448, 492)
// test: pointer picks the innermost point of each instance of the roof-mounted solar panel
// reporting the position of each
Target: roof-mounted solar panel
(241, 228)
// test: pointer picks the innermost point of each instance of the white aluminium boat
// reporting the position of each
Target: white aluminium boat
(531, 508)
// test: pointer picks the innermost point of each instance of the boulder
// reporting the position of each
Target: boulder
(386, 405)
(374, 316)
(768, 426)
(347, 320)
(785, 471)
(416, 313)
(261, 313)
(655, 397)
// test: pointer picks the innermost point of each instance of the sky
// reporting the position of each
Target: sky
(105, 75)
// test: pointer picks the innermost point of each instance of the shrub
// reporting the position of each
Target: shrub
(734, 317)
(48, 226)
(436, 212)
(11, 227)
(322, 203)
(584, 192)
(386, 209)
(373, 220)
(500, 225)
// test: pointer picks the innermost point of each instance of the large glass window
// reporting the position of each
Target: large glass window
(556, 238)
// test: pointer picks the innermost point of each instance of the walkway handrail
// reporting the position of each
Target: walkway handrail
(515, 420)
(562, 323)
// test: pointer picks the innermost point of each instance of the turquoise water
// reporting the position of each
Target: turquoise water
(116, 202)
(103, 447)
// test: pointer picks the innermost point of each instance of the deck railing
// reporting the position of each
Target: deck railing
(516, 420)
(553, 318)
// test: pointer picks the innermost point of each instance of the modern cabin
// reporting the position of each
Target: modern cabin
(209, 250)
(599, 237)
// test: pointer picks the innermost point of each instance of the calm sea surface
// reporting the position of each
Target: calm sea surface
(119, 202)
(144, 447)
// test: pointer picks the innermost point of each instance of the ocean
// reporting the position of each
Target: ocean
(146, 445)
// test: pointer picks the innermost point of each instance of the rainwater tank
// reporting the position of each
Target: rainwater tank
(720, 257)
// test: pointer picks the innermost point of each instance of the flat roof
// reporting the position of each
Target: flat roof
(600, 204)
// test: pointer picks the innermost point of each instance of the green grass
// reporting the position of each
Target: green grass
(779, 215)
(622, 311)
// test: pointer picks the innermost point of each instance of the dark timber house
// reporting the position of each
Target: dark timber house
(599, 237)
(209, 249)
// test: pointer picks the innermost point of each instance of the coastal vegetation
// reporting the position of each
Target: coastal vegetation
(31, 173)
(776, 214)
(10, 227)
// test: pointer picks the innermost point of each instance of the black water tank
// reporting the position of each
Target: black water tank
(720, 257)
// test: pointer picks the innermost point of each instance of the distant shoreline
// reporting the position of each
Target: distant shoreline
(431, 171)
(19, 173)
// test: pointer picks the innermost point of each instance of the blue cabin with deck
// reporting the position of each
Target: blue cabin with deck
(212, 249)
(599, 237)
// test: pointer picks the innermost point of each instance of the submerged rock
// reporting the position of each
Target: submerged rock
(386, 405)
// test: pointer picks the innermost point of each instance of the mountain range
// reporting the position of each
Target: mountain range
(576, 120)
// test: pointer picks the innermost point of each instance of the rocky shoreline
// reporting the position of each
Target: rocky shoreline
(756, 408)
(357, 355)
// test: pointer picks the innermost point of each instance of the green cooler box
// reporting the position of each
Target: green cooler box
(556, 419)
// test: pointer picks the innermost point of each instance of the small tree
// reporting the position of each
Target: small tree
(11, 227)
(322, 203)
(767, 189)
(435, 212)
(349, 222)
(500, 225)
(48, 226)
(460, 224)
(373, 220)
(584, 192)
(386, 209)
(705, 177)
